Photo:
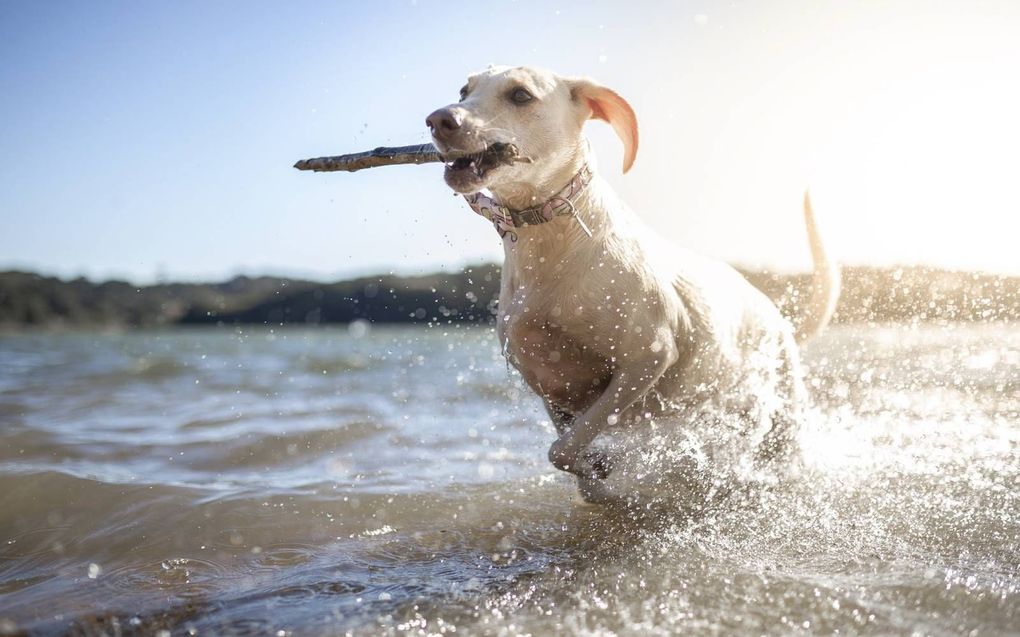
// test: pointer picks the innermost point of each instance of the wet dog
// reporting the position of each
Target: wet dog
(609, 325)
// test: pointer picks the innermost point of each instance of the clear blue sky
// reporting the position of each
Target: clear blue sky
(140, 139)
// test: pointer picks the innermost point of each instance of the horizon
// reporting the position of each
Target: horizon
(414, 273)
(143, 141)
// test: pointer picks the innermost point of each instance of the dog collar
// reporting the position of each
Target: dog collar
(507, 221)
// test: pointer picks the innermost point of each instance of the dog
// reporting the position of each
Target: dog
(609, 325)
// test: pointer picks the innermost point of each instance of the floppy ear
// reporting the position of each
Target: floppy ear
(606, 105)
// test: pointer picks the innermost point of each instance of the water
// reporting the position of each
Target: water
(393, 480)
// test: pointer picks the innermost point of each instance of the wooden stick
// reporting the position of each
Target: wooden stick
(389, 156)
(382, 156)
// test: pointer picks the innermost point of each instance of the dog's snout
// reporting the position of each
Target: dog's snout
(443, 121)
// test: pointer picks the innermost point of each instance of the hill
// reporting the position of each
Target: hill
(869, 294)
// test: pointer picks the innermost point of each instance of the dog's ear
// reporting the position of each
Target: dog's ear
(607, 105)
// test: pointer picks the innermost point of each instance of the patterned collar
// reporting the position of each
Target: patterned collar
(506, 221)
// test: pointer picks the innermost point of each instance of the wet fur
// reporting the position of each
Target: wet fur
(616, 329)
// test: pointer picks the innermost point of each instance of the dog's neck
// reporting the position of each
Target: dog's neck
(540, 250)
(522, 195)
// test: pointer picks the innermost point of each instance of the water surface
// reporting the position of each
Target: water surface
(393, 480)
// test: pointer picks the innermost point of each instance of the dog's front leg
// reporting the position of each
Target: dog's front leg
(629, 383)
(560, 417)
(563, 420)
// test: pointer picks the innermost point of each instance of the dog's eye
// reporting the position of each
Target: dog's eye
(520, 96)
(463, 93)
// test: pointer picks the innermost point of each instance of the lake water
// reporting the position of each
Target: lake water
(394, 480)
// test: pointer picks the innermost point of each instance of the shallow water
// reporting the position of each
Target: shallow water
(394, 480)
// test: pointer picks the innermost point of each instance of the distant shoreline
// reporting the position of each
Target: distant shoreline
(29, 300)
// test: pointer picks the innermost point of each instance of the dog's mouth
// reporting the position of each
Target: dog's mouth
(467, 169)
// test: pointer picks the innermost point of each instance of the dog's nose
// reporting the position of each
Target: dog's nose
(443, 121)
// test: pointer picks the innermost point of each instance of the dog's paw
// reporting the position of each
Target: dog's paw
(597, 492)
(589, 463)
(601, 465)
(562, 457)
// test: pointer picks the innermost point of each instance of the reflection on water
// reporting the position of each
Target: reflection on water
(316, 481)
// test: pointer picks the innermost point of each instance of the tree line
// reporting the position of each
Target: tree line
(869, 295)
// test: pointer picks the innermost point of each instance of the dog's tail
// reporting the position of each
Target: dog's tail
(813, 317)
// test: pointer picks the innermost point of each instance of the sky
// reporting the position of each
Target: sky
(154, 140)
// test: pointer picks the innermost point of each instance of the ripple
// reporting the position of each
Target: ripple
(157, 368)
(185, 578)
(279, 449)
(36, 542)
(246, 627)
(278, 556)
(338, 365)
(299, 594)
(21, 583)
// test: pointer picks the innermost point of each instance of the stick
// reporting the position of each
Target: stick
(498, 153)
(382, 156)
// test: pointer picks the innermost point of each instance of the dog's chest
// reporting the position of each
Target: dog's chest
(549, 325)
(555, 363)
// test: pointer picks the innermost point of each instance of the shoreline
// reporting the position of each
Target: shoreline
(870, 295)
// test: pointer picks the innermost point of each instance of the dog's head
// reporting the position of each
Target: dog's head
(539, 112)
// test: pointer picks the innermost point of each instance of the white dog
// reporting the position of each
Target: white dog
(609, 325)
